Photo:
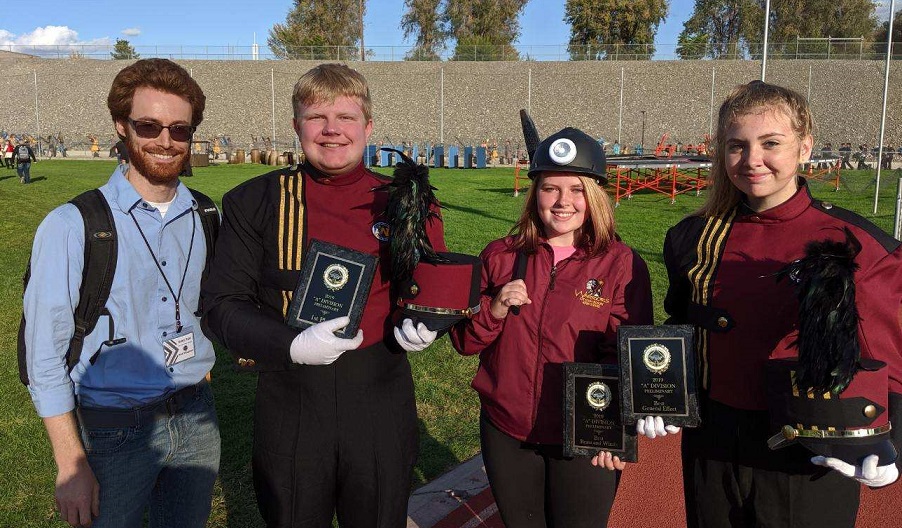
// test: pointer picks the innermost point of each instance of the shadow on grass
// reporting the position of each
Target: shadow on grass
(473, 211)
(234, 393)
(433, 458)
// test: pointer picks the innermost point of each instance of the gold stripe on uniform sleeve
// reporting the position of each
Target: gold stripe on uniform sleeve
(281, 219)
(291, 228)
(708, 252)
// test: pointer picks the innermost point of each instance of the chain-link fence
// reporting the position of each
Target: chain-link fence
(802, 48)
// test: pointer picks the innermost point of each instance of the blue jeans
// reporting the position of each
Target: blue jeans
(168, 465)
(24, 171)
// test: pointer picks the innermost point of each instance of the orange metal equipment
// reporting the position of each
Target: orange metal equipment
(659, 149)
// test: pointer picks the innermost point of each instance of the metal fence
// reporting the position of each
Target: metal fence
(817, 49)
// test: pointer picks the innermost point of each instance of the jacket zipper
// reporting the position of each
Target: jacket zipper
(535, 376)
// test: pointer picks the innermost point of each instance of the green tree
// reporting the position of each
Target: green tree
(821, 18)
(424, 21)
(480, 48)
(692, 46)
(620, 29)
(880, 34)
(794, 19)
(724, 27)
(319, 30)
(123, 50)
(483, 29)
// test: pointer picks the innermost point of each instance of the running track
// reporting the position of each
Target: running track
(651, 494)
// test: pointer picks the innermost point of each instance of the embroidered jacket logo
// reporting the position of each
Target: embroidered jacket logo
(591, 296)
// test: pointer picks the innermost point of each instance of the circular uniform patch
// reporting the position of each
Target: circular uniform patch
(335, 276)
(656, 358)
(382, 231)
(598, 395)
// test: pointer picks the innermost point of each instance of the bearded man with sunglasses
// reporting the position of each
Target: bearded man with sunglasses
(132, 423)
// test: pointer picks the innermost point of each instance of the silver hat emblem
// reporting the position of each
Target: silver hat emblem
(562, 151)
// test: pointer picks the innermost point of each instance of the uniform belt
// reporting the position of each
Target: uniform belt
(100, 417)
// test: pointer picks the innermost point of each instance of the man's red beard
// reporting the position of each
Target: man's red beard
(152, 172)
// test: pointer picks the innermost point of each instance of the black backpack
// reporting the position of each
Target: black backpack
(101, 247)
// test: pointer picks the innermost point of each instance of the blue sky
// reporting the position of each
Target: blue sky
(232, 23)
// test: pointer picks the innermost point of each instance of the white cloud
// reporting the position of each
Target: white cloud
(51, 39)
(131, 32)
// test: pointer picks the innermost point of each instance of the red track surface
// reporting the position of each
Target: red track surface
(651, 494)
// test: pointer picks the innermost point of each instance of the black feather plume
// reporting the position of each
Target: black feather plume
(828, 345)
(411, 201)
(530, 133)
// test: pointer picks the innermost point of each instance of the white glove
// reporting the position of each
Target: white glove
(413, 339)
(868, 473)
(318, 345)
(652, 426)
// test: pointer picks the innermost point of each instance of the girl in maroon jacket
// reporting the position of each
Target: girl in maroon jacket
(580, 284)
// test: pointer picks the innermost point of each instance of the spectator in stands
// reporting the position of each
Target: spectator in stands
(51, 143)
(826, 153)
(24, 155)
(8, 153)
(887, 161)
(845, 153)
(615, 148)
(861, 157)
(121, 152)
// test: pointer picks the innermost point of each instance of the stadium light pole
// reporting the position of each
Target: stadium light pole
(642, 142)
(362, 48)
(764, 46)
(889, 55)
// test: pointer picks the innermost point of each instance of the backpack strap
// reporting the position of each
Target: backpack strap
(101, 248)
(209, 220)
(520, 262)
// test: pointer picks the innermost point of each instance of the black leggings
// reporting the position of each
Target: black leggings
(536, 486)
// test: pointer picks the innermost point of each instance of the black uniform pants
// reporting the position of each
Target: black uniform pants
(732, 479)
(336, 439)
(535, 486)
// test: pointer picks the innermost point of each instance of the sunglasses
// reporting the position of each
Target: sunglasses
(151, 130)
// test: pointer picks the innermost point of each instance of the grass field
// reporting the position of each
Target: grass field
(479, 207)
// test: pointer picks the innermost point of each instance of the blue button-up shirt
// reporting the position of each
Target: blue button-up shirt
(132, 373)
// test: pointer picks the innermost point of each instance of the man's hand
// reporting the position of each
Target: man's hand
(653, 426)
(77, 494)
(413, 339)
(511, 294)
(318, 345)
(868, 473)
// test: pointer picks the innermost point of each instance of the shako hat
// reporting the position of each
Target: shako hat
(441, 294)
(569, 150)
(435, 288)
(849, 426)
(829, 398)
